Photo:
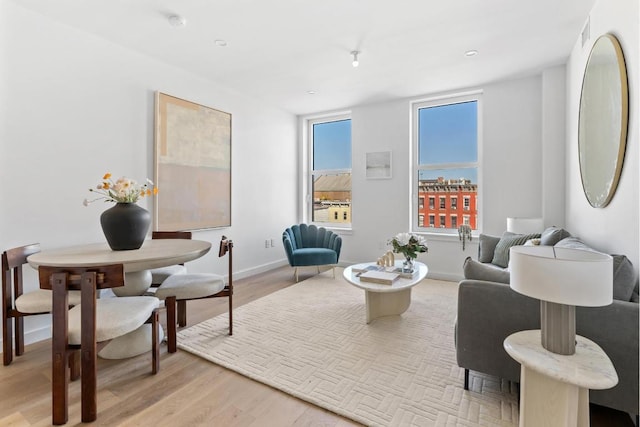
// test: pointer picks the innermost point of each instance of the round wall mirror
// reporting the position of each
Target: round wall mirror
(604, 114)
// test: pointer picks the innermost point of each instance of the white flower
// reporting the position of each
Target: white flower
(403, 238)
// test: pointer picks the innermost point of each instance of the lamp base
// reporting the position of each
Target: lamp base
(558, 325)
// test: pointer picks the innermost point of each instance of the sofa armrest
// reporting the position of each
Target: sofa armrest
(488, 312)
(615, 329)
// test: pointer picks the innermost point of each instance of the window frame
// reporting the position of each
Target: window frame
(307, 213)
(416, 106)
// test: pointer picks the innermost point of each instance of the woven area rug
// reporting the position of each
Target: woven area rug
(311, 340)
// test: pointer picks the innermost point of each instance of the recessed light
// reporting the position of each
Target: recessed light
(177, 21)
(471, 53)
(220, 42)
(311, 92)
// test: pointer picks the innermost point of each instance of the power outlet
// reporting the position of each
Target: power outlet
(266, 243)
(271, 242)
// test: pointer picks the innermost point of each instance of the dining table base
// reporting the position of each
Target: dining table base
(136, 283)
(130, 345)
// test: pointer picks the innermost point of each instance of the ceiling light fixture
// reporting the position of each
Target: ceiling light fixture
(220, 42)
(311, 92)
(177, 21)
(471, 53)
(355, 54)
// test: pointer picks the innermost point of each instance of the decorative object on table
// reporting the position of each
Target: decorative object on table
(603, 120)
(125, 225)
(192, 165)
(409, 245)
(464, 233)
(381, 277)
(386, 260)
(561, 278)
(378, 165)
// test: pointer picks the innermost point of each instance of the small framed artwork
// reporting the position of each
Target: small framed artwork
(378, 165)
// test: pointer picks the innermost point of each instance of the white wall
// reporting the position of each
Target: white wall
(75, 106)
(511, 183)
(612, 229)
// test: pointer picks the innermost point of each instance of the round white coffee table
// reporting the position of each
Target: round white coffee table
(386, 300)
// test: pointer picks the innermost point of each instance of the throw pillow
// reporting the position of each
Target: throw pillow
(501, 254)
(475, 270)
(486, 247)
(553, 235)
(624, 278)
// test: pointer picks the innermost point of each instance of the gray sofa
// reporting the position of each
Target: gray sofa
(489, 311)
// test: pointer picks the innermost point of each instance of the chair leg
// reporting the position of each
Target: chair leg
(89, 351)
(170, 304)
(19, 335)
(7, 340)
(74, 365)
(59, 355)
(466, 379)
(295, 273)
(333, 270)
(318, 268)
(230, 315)
(182, 313)
(155, 342)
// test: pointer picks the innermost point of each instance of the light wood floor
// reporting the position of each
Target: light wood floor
(188, 390)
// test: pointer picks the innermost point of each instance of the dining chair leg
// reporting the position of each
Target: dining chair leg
(19, 335)
(230, 315)
(155, 342)
(7, 347)
(89, 368)
(170, 304)
(74, 365)
(59, 358)
(182, 313)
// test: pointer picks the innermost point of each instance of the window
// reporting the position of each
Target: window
(445, 144)
(443, 221)
(432, 220)
(421, 203)
(330, 171)
(421, 220)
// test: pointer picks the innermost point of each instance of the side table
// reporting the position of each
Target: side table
(555, 388)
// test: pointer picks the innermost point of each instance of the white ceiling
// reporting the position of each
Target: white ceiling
(279, 50)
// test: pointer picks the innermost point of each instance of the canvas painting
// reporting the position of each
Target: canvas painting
(378, 165)
(192, 165)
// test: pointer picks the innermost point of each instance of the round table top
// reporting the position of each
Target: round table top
(589, 367)
(153, 254)
(398, 285)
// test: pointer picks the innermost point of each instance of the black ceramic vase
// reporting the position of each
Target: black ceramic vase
(125, 226)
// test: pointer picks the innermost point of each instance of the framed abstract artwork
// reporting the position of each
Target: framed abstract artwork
(192, 165)
(378, 165)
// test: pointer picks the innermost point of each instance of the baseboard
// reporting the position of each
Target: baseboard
(36, 335)
(263, 268)
(444, 276)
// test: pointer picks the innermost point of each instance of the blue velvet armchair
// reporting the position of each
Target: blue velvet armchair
(308, 245)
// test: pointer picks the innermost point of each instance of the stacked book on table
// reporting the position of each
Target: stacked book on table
(380, 274)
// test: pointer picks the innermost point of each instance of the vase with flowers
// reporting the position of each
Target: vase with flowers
(125, 225)
(409, 245)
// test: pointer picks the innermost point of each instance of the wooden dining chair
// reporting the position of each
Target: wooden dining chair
(159, 275)
(178, 289)
(17, 304)
(89, 326)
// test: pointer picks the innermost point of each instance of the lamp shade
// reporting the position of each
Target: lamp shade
(524, 225)
(561, 275)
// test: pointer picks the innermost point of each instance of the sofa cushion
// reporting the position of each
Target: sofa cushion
(486, 247)
(553, 235)
(484, 271)
(501, 253)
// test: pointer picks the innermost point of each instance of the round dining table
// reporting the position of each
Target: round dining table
(137, 264)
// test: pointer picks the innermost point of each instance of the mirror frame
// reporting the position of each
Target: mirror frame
(594, 111)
